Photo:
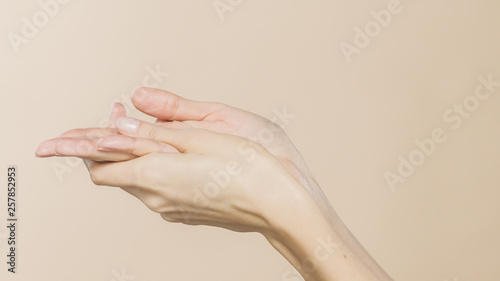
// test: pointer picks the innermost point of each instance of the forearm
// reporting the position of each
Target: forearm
(336, 224)
(306, 239)
(302, 173)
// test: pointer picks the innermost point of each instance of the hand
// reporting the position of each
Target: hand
(173, 111)
(233, 183)
(176, 112)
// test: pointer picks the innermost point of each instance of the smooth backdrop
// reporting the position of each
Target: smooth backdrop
(354, 116)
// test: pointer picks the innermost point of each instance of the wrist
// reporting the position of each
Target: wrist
(305, 238)
(301, 236)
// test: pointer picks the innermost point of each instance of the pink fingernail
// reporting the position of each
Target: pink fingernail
(101, 148)
(127, 124)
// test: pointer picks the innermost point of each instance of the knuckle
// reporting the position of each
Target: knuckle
(134, 147)
(151, 133)
(96, 178)
(160, 205)
(157, 205)
(166, 208)
(169, 218)
(172, 105)
(83, 147)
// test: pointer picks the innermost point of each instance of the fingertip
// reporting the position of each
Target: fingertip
(41, 150)
(139, 93)
(46, 148)
(120, 108)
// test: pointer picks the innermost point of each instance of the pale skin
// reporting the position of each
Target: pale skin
(204, 163)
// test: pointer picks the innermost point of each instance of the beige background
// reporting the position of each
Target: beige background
(352, 121)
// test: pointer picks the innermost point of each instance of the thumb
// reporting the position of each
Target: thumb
(168, 106)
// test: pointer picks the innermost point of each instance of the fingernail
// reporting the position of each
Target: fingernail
(127, 124)
(100, 148)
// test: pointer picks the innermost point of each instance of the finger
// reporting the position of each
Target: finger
(148, 178)
(117, 111)
(168, 106)
(182, 139)
(109, 174)
(92, 166)
(48, 148)
(82, 148)
(45, 149)
(117, 174)
(87, 149)
(131, 145)
(142, 172)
